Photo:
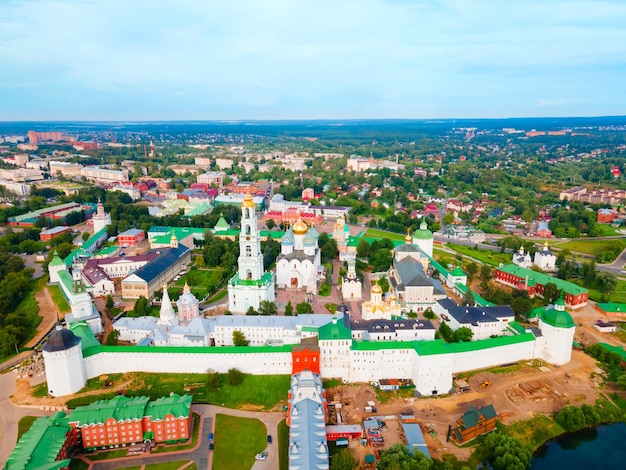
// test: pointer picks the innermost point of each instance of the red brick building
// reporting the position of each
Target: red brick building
(47, 235)
(124, 421)
(131, 237)
(607, 216)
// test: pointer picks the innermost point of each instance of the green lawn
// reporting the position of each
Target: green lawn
(217, 296)
(263, 391)
(200, 278)
(78, 464)
(24, 425)
(166, 466)
(492, 258)
(59, 299)
(283, 445)
(375, 233)
(237, 441)
(111, 454)
(591, 246)
(607, 231)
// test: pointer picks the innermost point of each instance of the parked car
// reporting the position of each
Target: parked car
(210, 437)
(210, 446)
(261, 456)
(269, 439)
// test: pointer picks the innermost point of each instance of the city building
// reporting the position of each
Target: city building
(104, 175)
(47, 235)
(131, 237)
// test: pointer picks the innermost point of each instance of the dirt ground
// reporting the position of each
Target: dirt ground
(515, 396)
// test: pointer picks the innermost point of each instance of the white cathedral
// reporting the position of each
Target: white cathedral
(251, 285)
(299, 264)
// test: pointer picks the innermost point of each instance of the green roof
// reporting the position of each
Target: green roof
(472, 415)
(423, 233)
(457, 272)
(438, 346)
(353, 241)
(186, 350)
(265, 280)
(108, 250)
(543, 279)
(334, 330)
(91, 241)
(40, 445)
(221, 225)
(379, 345)
(120, 408)
(612, 307)
(82, 330)
(557, 318)
(56, 260)
(174, 405)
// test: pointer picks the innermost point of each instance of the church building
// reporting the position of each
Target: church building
(299, 264)
(251, 285)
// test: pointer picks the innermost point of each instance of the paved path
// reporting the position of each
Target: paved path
(10, 416)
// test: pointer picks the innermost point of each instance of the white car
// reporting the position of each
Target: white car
(261, 456)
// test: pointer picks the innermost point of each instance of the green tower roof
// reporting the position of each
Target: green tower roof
(334, 330)
(423, 233)
(558, 319)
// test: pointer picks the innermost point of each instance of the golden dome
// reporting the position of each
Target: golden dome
(248, 202)
(376, 289)
(299, 228)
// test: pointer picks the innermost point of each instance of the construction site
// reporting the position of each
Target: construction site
(517, 392)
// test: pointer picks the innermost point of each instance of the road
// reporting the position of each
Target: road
(10, 416)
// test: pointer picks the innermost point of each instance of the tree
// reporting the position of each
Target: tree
(270, 224)
(397, 457)
(304, 307)
(571, 418)
(214, 380)
(112, 337)
(251, 311)
(141, 307)
(506, 453)
(239, 339)
(445, 332)
(468, 299)
(551, 292)
(289, 309)
(363, 249)
(471, 269)
(235, 377)
(109, 303)
(267, 308)
(343, 461)
(605, 282)
(463, 334)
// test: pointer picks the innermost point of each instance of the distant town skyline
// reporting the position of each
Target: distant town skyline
(323, 59)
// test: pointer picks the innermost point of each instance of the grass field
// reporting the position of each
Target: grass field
(166, 466)
(237, 441)
(78, 464)
(263, 392)
(590, 247)
(217, 296)
(607, 230)
(283, 445)
(492, 258)
(24, 425)
(375, 233)
(59, 299)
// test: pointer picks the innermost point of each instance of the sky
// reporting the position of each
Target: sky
(310, 59)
